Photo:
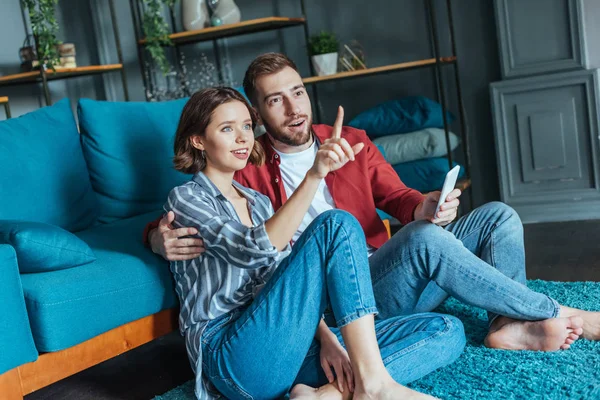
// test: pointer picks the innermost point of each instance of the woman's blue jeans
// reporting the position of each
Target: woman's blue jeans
(262, 350)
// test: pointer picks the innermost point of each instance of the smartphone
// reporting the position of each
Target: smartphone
(449, 184)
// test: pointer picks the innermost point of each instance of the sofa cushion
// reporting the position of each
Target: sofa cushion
(42, 247)
(44, 176)
(125, 283)
(128, 148)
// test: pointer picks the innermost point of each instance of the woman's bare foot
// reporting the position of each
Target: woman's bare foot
(388, 390)
(327, 392)
(591, 321)
(548, 335)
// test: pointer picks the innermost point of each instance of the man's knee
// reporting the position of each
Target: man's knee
(423, 234)
(499, 213)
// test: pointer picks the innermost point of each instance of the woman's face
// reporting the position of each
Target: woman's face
(228, 139)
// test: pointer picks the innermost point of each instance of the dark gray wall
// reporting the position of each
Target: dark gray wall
(390, 32)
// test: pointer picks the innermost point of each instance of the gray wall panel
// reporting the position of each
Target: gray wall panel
(540, 36)
(547, 143)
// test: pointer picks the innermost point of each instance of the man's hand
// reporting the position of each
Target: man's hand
(333, 355)
(165, 241)
(448, 209)
(335, 152)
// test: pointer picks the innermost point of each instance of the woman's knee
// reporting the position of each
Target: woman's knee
(449, 334)
(340, 217)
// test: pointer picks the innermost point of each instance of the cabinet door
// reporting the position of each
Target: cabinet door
(547, 141)
(540, 36)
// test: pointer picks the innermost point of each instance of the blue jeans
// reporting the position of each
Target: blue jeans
(478, 259)
(260, 351)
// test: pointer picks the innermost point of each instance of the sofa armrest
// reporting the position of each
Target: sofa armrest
(16, 342)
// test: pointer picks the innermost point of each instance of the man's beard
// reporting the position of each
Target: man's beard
(281, 135)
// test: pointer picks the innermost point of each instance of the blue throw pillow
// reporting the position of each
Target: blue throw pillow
(128, 147)
(404, 115)
(42, 247)
(425, 175)
(43, 176)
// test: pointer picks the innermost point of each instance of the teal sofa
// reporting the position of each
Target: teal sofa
(77, 285)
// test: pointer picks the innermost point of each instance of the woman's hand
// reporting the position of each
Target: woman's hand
(335, 152)
(333, 355)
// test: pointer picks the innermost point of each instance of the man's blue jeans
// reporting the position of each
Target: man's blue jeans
(478, 259)
(260, 351)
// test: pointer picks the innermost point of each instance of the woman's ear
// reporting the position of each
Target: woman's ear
(196, 142)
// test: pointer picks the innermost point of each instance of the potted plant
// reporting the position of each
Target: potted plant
(45, 28)
(323, 49)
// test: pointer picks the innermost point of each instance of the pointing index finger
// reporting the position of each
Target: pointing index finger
(337, 125)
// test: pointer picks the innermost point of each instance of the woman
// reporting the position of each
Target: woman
(250, 306)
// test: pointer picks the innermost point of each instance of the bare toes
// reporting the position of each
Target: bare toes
(565, 347)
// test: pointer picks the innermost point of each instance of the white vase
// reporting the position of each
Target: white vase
(227, 12)
(194, 14)
(325, 64)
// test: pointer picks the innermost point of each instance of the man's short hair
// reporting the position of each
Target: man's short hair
(265, 64)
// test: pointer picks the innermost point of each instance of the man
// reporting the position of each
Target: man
(467, 257)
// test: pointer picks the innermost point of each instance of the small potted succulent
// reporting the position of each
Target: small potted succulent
(323, 49)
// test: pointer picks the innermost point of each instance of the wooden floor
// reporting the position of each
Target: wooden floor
(555, 251)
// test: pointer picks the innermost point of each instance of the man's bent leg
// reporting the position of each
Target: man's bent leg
(494, 233)
(422, 252)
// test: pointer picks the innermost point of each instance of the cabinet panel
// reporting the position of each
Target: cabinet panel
(546, 132)
(540, 36)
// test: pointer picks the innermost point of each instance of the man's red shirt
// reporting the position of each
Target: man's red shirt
(359, 187)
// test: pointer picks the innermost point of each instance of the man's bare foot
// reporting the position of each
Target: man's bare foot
(548, 335)
(591, 321)
(327, 392)
(388, 390)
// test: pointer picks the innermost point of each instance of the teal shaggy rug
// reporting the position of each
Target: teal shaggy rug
(482, 373)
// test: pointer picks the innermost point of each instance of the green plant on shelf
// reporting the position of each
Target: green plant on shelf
(156, 31)
(44, 27)
(323, 43)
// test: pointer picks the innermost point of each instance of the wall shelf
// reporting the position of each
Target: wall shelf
(430, 62)
(240, 28)
(61, 73)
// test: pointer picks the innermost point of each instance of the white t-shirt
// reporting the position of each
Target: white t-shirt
(293, 167)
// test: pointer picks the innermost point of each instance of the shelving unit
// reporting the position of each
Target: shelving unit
(4, 102)
(437, 62)
(43, 76)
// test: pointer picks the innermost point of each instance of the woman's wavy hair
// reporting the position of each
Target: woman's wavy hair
(194, 119)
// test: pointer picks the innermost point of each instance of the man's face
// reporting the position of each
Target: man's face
(284, 107)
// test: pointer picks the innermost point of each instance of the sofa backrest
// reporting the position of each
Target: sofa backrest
(43, 176)
(128, 147)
